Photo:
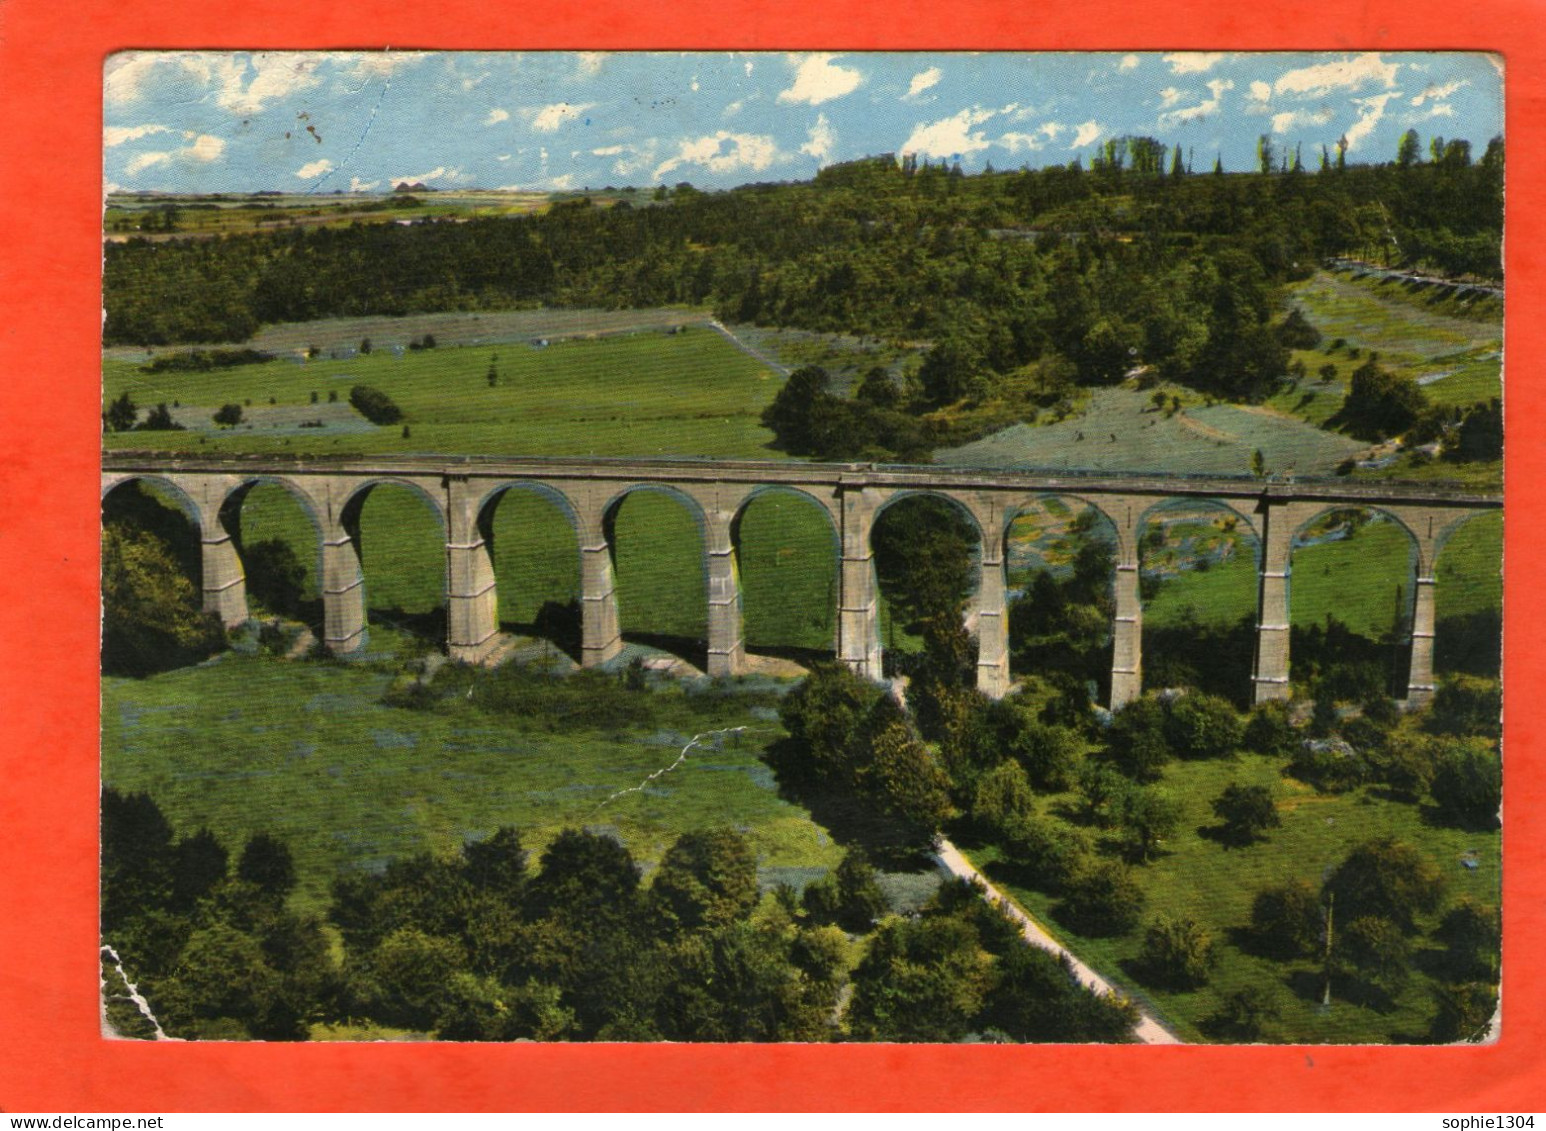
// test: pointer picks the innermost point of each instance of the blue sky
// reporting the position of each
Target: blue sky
(362, 121)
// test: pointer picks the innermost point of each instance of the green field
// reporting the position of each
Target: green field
(645, 394)
(307, 752)
(1198, 877)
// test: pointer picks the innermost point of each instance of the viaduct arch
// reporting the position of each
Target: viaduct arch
(462, 489)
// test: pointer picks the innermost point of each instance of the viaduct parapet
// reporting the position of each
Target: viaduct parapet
(464, 490)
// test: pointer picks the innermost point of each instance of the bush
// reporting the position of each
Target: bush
(374, 405)
(849, 896)
(1374, 951)
(1102, 898)
(1002, 799)
(1464, 1012)
(1468, 787)
(1177, 953)
(1245, 1014)
(228, 415)
(1467, 705)
(1329, 764)
(1386, 879)
(1138, 739)
(1296, 332)
(1247, 812)
(1203, 726)
(1268, 731)
(1287, 920)
(1053, 851)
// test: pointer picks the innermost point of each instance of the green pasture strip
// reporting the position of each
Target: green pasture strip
(305, 751)
(660, 568)
(536, 553)
(1470, 569)
(645, 394)
(1197, 877)
(1220, 595)
(1354, 579)
(787, 554)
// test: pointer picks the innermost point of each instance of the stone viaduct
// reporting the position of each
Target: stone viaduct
(464, 490)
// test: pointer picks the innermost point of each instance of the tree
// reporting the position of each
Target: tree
(266, 863)
(1147, 817)
(1103, 899)
(706, 879)
(497, 864)
(1468, 786)
(1380, 403)
(1465, 1012)
(1266, 155)
(1003, 798)
(912, 786)
(921, 980)
(1247, 812)
(151, 615)
(159, 419)
(374, 405)
(228, 415)
(121, 414)
(1137, 740)
(275, 576)
(1287, 920)
(1386, 879)
(849, 896)
(1409, 150)
(1472, 936)
(1297, 333)
(1375, 951)
(798, 409)
(1245, 1014)
(1178, 953)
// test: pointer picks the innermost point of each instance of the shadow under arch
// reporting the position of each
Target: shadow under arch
(1199, 563)
(1351, 598)
(658, 539)
(158, 505)
(788, 556)
(402, 558)
(531, 533)
(928, 549)
(265, 506)
(1468, 600)
(1060, 556)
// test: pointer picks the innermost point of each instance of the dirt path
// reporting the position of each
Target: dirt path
(1148, 1030)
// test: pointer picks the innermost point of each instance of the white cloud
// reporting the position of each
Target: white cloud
(117, 135)
(1438, 93)
(722, 152)
(1015, 142)
(1289, 119)
(817, 79)
(205, 148)
(549, 118)
(733, 109)
(1128, 63)
(245, 88)
(1087, 133)
(820, 139)
(750, 67)
(495, 116)
(1051, 129)
(357, 185)
(1261, 91)
(1371, 110)
(124, 75)
(1193, 62)
(438, 173)
(367, 65)
(1438, 110)
(630, 159)
(591, 61)
(1209, 106)
(314, 169)
(1350, 73)
(503, 157)
(922, 81)
(950, 137)
(1169, 97)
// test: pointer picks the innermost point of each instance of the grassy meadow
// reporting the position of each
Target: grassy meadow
(652, 393)
(307, 752)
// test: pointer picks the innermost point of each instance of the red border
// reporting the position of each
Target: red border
(51, 1058)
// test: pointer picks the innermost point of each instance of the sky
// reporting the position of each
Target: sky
(325, 122)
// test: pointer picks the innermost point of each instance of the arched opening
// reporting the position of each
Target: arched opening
(530, 535)
(661, 574)
(1468, 599)
(1060, 555)
(1198, 578)
(280, 544)
(1352, 584)
(152, 580)
(928, 554)
(400, 538)
(787, 554)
